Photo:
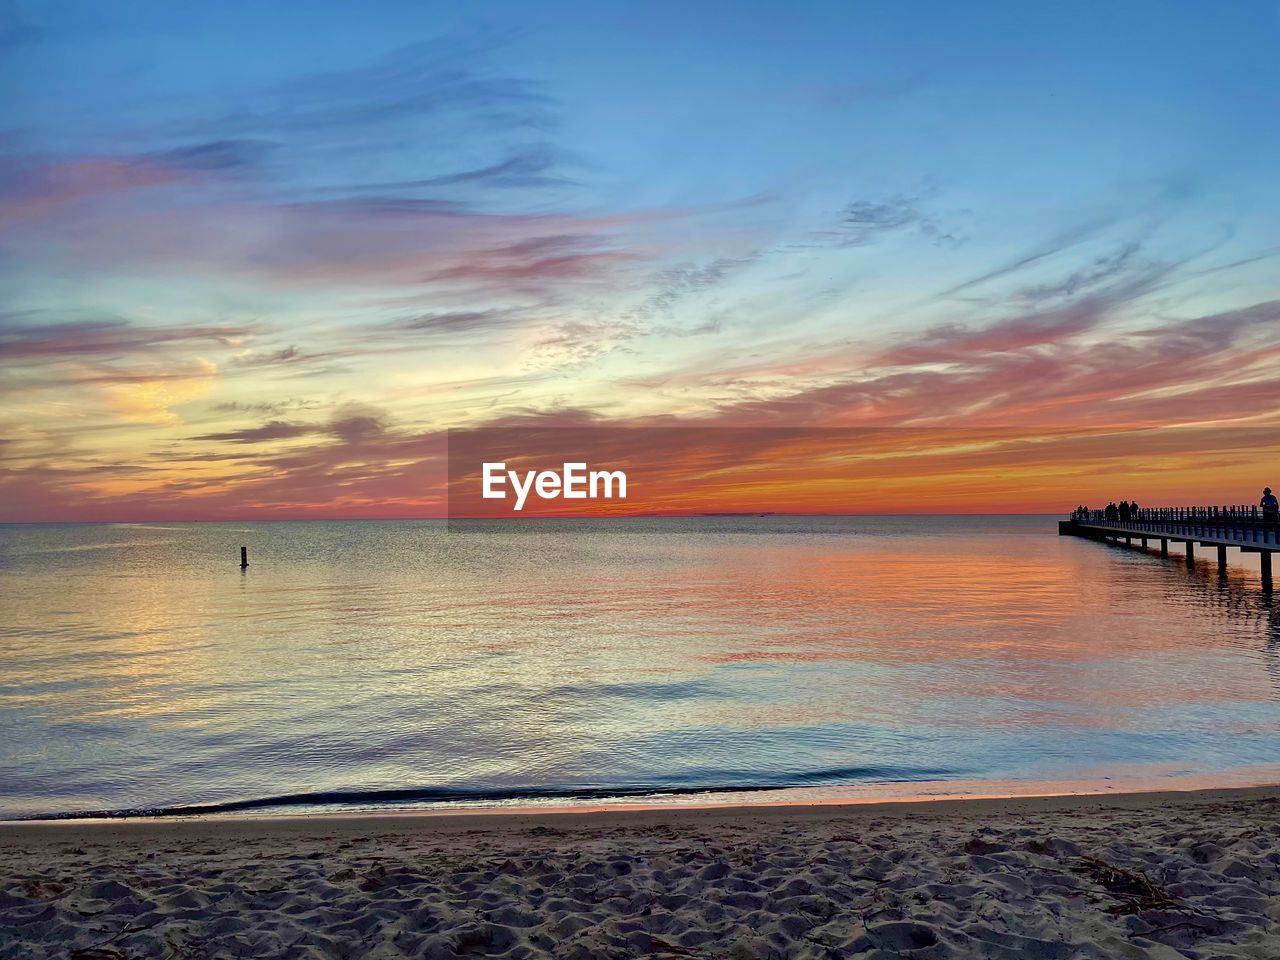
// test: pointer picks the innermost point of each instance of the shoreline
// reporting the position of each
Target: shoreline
(588, 816)
(1262, 776)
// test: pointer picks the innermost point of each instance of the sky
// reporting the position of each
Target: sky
(257, 260)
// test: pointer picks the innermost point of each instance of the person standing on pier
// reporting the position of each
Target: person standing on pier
(1270, 506)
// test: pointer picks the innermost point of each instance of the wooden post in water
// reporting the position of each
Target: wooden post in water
(1265, 557)
(244, 557)
(1222, 561)
(1191, 554)
(1164, 546)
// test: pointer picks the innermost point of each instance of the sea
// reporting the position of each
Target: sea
(384, 665)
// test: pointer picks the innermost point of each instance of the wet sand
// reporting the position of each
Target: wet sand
(1159, 875)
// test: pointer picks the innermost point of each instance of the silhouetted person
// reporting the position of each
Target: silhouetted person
(1112, 512)
(1133, 510)
(1270, 506)
(1124, 510)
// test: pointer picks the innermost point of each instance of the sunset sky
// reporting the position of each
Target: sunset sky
(258, 257)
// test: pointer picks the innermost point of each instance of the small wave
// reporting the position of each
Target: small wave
(148, 526)
(82, 547)
(479, 796)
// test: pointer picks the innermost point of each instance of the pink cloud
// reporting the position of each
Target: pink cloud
(31, 190)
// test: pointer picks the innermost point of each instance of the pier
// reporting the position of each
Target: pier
(1221, 528)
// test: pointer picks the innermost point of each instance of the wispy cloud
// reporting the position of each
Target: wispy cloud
(271, 430)
(455, 321)
(265, 407)
(1101, 269)
(351, 423)
(866, 221)
(21, 338)
(536, 165)
(430, 79)
(533, 263)
(686, 280)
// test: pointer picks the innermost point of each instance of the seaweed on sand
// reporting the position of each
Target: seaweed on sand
(1136, 891)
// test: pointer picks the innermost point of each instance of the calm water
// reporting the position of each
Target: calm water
(399, 662)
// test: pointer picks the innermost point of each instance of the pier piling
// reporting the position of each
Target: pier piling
(244, 557)
(1191, 554)
(1222, 561)
(1266, 571)
(1164, 546)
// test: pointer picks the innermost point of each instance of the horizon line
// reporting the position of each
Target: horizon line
(628, 516)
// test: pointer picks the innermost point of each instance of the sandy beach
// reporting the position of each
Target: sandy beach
(1160, 875)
